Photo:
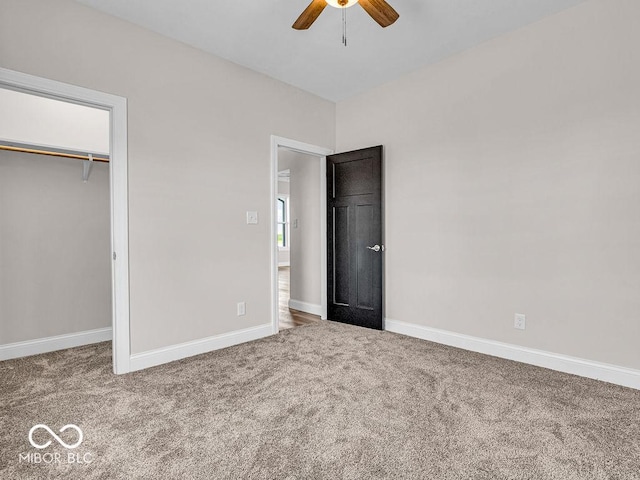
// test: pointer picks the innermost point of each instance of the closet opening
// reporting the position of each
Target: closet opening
(63, 229)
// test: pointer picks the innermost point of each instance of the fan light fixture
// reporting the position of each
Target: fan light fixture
(341, 3)
(379, 10)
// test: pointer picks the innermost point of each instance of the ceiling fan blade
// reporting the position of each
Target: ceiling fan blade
(380, 11)
(306, 18)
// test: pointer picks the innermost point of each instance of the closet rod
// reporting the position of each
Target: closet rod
(53, 154)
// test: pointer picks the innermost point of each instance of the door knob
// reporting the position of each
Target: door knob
(376, 248)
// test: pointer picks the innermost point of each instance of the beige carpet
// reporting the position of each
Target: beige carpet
(322, 401)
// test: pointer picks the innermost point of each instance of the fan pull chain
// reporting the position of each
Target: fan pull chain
(344, 26)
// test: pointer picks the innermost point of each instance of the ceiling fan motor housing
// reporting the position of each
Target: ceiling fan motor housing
(341, 3)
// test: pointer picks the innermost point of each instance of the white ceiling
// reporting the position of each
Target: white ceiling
(258, 35)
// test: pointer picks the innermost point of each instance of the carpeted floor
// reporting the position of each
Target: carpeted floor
(322, 401)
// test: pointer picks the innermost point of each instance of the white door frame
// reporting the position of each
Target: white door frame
(117, 106)
(316, 151)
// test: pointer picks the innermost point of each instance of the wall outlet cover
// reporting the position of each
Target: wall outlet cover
(519, 321)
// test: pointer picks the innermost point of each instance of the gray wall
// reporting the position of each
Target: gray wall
(513, 185)
(55, 268)
(199, 156)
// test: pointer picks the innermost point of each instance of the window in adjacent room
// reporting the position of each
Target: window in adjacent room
(283, 221)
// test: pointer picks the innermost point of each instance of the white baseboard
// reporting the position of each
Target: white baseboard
(626, 377)
(51, 344)
(159, 356)
(311, 308)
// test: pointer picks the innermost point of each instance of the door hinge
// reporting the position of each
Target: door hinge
(114, 255)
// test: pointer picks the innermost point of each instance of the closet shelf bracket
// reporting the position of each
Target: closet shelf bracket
(86, 168)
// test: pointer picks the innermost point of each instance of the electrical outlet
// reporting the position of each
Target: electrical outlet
(519, 321)
(242, 309)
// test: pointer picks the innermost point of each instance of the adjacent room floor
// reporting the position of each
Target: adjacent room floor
(288, 317)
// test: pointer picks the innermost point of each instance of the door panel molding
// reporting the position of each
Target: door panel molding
(354, 235)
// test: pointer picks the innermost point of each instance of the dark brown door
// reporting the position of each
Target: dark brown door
(354, 237)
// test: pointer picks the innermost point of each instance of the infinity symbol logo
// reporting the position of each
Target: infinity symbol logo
(58, 439)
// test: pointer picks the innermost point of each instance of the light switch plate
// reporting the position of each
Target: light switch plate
(252, 218)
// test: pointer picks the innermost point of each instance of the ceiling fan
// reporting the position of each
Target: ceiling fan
(379, 10)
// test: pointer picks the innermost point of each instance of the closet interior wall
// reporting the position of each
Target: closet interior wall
(55, 266)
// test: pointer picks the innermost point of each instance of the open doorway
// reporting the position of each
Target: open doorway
(298, 240)
(114, 178)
